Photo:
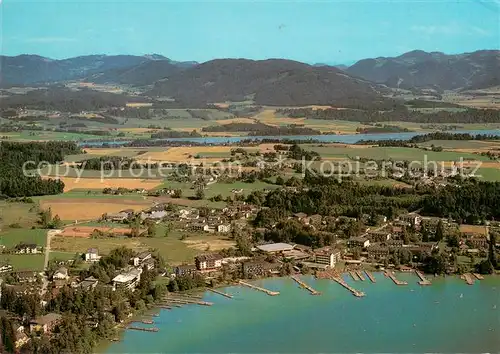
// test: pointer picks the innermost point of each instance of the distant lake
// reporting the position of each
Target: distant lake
(447, 317)
(346, 139)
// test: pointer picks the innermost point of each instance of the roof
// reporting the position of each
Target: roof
(326, 251)
(359, 239)
(143, 255)
(126, 277)
(48, 318)
(275, 247)
(93, 250)
(208, 257)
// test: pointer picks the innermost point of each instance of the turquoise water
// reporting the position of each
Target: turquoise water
(346, 139)
(447, 317)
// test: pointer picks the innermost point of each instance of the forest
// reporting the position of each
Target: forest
(14, 183)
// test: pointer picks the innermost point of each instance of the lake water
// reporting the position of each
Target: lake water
(346, 139)
(447, 317)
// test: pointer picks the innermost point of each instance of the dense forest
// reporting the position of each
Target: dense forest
(422, 138)
(398, 113)
(14, 183)
(261, 129)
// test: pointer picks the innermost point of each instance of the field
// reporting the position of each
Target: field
(71, 183)
(475, 229)
(23, 214)
(174, 250)
(86, 231)
(12, 237)
(23, 261)
(90, 208)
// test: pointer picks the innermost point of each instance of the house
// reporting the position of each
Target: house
(5, 268)
(327, 256)
(26, 276)
(149, 263)
(302, 217)
(394, 243)
(478, 241)
(259, 268)
(378, 251)
(154, 215)
(141, 258)
(185, 269)
(223, 228)
(46, 323)
(61, 274)
(89, 283)
(199, 227)
(358, 242)
(208, 261)
(21, 337)
(127, 280)
(118, 217)
(413, 219)
(28, 248)
(378, 236)
(315, 219)
(92, 255)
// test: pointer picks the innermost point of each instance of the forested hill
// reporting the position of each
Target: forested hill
(271, 82)
(14, 183)
(419, 69)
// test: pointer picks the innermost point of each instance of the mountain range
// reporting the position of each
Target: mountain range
(272, 81)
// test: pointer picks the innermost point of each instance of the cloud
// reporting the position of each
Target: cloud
(49, 39)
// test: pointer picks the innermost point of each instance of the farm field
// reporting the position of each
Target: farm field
(48, 135)
(23, 261)
(11, 237)
(23, 214)
(71, 183)
(134, 173)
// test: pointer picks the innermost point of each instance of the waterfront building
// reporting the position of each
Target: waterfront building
(127, 280)
(185, 269)
(327, 256)
(208, 261)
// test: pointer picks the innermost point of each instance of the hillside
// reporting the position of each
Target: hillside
(419, 69)
(269, 82)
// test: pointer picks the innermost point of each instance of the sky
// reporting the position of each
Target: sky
(313, 31)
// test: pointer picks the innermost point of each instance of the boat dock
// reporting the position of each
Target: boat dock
(360, 275)
(353, 275)
(144, 329)
(305, 286)
(336, 277)
(221, 293)
(370, 276)
(394, 279)
(468, 278)
(255, 287)
(478, 276)
(423, 279)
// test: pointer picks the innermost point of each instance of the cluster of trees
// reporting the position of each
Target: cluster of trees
(295, 152)
(418, 139)
(172, 134)
(109, 163)
(261, 129)
(396, 113)
(14, 182)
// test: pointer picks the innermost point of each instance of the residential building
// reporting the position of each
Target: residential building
(61, 274)
(412, 219)
(118, 217)
(223, 228)
(303, 218)
(208, 261)
(199, 227)
(46, 323)
(92, 255)
(185, 269)
(327, 256)
(5, 268)
(259, 268)
(141, 258)
(127, 280)
(358, 242)
(378, 251)
(479, 241)
(26, 276)
(88, 284)
(28, 248)
(378, 236)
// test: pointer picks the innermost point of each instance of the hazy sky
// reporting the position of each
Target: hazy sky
(310, 31)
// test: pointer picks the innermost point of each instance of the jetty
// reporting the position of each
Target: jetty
(370, 276)
(255, 287)
(423, 279)
(468, 278)
(360, 275)
(221, 293)
(336, 277)
(305, 286)
(353, 275)
(148, 321)
(478, 276)
(394, 279)
(144, 329)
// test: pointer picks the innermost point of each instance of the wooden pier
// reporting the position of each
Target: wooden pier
(353, 275)
(221, 293)
(370, 276)
(336, 277)
(255, 287)
(469, 279)
(478, 276)
(179, 300)
(144, 329)
(423, 279)
(394, 279)
(305, 286)
(360, 275)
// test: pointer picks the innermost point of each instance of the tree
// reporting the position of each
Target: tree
(200, 193)
(56, 222)
(8, 335)
(440, 231)
(280, 181)
(45, 218)
(492, 256)
(151, 229)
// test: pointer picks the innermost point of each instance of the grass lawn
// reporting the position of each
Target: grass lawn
(24, 214)
(489, 174)
(10, 238)
(68, 171)
(23, 261)
(61, 256)
(225, 188)
(94, 194)
(49, 135)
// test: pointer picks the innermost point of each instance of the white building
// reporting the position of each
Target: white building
(92, 255)
(61, 274)
(223, 228)
(127, 280)
(327, 256)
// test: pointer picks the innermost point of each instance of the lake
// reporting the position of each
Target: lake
(447, 317)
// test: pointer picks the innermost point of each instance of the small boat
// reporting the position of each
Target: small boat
(461, 295)
(494, 307)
